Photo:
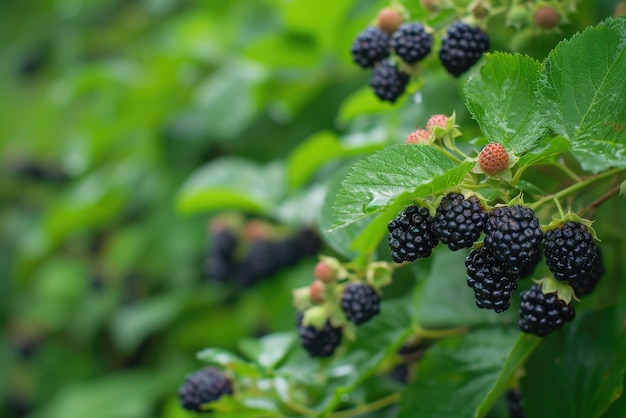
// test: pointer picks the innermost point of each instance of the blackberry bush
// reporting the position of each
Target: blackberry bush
(462, 47)
(201, 387)
(360, 302)
(458, 222)
(411, 235)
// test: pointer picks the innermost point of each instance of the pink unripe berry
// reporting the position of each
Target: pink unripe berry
(317, 291)
(436, 120)
(324, 272)
(493, 159)
(546, 17)
(418, 136)
(389, 20)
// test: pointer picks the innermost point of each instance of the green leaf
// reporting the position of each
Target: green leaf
(584, 94)
(361, 102)
(227, 359)
(396, 172)
(233, 183)
(544, 151)
(457, 374)
(503, 100)
(269, 350)
(585, 363)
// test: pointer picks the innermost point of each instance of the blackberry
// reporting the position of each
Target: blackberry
(259, 262)
(570, 250)
(410, 234)
(513, 235)
(318, 342)
(203, 386)
(388, 82)
(411, 42)
(514, 401)
(459, 221)
(370, 46)
(224, 243)
(360, 302)
(529, 268)
(462, 47)
(493, 286)
(220, 264)
(306, 242)
(583, 286)
(542, 314)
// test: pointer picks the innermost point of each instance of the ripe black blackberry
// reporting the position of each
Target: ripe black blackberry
(492, 284)
(459, 221)
(203, 386)
(411, 42)
(318, 342)
(260, 262)
(462, 47)
(542, 314)
(529, 267)
(513, 235)
(370, 46)
(585, 285)
(388, 82)
(570, 250)
(411, 235)
(514, 401)
(360, 302)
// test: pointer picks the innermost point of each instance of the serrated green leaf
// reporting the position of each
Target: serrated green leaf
(586, 363)
(233, 183)
(456, 374)
(545, 151)
(503, 99)
(584, 94)
(396, 172)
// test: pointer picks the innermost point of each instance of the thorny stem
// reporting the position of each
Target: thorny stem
(574, 188)
(369, 407)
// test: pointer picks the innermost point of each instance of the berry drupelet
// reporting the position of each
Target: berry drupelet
(360, 302)
(388, 82)
(411, 42)
(458, 221)
(203, 386)
(411, 235)
(493, 286)
(370, 47)
(462, 47)
(513, 235)
(542, 314)
(318, 342)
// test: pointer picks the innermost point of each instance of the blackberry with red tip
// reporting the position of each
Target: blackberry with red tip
(206, 385)
(319, 342)
(462, 47)
(411, 42)
(585, 285)
(493, 286)
(360, 302)
(541, 314)
(388, 82)
(458, 221)
(370, 46)
(513, 235)
(411, 235)
(570, 250)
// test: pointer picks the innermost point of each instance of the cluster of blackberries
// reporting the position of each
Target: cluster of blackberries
(461, 48)
(511, 250)
(203, 386)
(246, 261)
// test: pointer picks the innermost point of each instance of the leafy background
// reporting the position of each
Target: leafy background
(127, 126)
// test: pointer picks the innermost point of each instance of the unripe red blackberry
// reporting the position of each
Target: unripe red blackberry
(571, 252)
(360, 302)
(436, 120)
(203, 386)
(541, 314)
(462, 47)
(493, 286)
(458, 221)
(411, 235)
(388, 82)
(418, 136)
(370, 47)
(411, 42)
(316, 291)
(513, 235)
(546, 17)
(493, 159)
(319, 342)
(324, 272)
(389, 20)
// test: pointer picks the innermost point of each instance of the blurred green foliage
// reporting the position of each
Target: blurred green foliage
(108, 110)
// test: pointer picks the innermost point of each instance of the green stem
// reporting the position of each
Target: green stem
(568, 171)
(369, 407)
(558, 206)
(574, 188)
(301, 410)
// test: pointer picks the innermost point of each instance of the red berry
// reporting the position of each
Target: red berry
(493, 159)
(418, 136)
(317, 291)
(546, 17)
(389, 20)
(436, 120)
(324, 273)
